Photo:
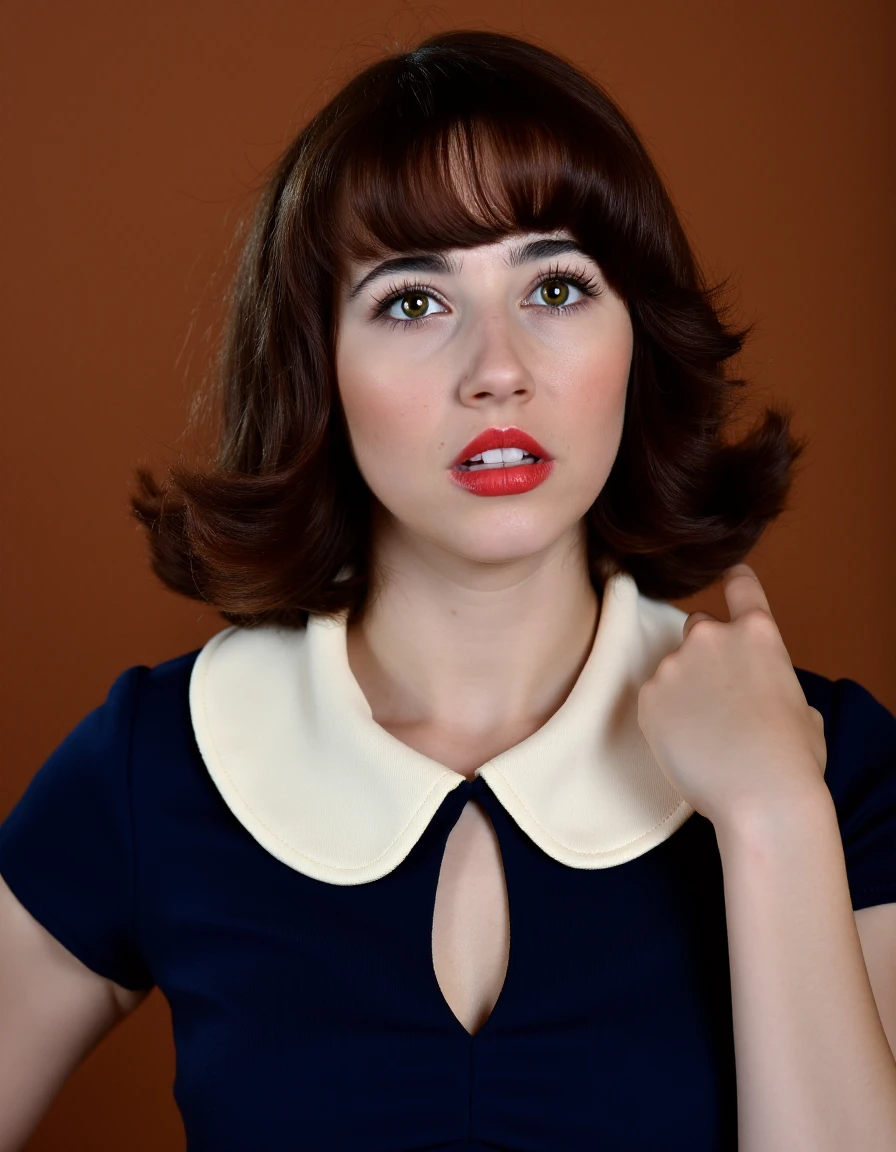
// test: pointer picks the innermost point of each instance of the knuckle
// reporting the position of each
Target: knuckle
(665, 666)
(759, 623)
(704, 627)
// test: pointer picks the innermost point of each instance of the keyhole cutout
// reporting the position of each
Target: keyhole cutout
(471, 919)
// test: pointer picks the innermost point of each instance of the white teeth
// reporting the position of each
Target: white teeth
(497, 458)
(497, 464)
(496, 455)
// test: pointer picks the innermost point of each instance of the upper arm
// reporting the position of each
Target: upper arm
(877, 931)
(53, 1009)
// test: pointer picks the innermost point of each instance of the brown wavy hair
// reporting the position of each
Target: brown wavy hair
(279, 526)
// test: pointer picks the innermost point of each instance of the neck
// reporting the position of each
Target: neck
(470, 648)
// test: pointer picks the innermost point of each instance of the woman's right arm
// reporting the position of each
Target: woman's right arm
(53, 1011)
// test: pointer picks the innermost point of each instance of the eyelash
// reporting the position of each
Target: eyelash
(587, 285)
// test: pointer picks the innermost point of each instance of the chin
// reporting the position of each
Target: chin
(503, 543)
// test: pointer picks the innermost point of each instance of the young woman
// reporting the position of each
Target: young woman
(461, 835)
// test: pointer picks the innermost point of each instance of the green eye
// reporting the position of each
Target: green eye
(414, 305)
(555, 292)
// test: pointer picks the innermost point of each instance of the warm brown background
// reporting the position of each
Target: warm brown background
(133, 138)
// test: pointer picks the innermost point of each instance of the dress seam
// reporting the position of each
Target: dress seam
(472, 1074)
(129, 777)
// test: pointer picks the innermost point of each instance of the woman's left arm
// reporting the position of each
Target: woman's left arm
(877, 932)
(731, 728)
(814, 1068)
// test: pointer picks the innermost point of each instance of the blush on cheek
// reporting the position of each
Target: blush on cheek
(389, 440)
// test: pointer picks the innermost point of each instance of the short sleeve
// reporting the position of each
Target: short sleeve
(67, 847)
(861, 776)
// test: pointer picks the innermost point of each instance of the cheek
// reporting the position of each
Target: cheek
(386, 412)
(597, 388)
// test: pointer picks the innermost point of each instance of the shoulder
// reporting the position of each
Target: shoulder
(157, 725)
(860, 734)
(854, 717)
(139, 705)
(160, 685)
(150, 689)
(169, 675)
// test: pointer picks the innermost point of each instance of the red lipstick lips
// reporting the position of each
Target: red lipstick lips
(507, 479)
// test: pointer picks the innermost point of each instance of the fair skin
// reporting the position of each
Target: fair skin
(482, 619)
(463, 570)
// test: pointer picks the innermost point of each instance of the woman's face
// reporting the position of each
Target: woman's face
(434, 349)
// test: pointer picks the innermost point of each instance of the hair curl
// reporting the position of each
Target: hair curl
(280, 525)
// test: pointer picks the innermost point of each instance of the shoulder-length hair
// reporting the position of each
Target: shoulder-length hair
(280, 525)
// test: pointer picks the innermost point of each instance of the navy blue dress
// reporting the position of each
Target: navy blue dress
(307, 1015)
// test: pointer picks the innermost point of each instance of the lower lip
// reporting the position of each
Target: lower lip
(503, 481)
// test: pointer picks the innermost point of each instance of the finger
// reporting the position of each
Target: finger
(743, 591)
(692, 620)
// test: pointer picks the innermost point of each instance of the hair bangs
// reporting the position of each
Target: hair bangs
(420, 170)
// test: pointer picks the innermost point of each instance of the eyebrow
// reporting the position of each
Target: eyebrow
(438, 262)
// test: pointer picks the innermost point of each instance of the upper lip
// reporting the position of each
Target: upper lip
(501, 438)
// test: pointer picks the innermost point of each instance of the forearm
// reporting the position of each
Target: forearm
(814, 1070)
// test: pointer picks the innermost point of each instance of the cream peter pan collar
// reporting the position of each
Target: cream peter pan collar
(289, 740)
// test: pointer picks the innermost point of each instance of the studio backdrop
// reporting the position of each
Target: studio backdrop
(135, 139)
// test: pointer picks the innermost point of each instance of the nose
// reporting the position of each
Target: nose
(495, 365)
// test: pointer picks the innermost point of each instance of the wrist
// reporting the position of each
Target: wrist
(783, 818)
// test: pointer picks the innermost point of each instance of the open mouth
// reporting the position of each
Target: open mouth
(501, 462)
(497, 458)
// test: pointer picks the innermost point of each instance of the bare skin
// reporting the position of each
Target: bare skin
(484, 611)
